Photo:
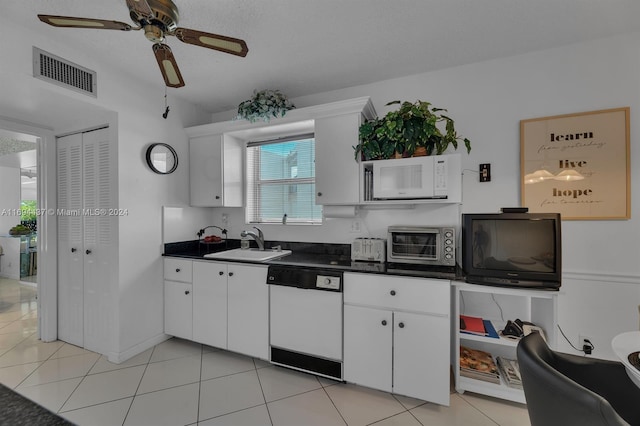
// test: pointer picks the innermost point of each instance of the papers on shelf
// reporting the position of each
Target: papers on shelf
(510, 371)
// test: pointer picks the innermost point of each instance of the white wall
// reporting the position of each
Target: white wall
(601, 289)
(133, 110)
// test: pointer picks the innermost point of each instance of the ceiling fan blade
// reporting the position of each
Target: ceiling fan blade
(235, 46)
(141, 8)
(168, 65)
(72, 22)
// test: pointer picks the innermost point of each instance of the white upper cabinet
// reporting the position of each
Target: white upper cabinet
(337, 172)
(216, 152)
(215, 171)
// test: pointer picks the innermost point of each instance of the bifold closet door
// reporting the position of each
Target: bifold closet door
(86, 239)
(70, 241)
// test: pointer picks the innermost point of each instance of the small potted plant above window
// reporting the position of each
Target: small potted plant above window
(264, 105)
(413, 129)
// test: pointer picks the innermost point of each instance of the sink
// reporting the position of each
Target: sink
(251, 254)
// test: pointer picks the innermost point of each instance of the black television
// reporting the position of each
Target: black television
(512, 249)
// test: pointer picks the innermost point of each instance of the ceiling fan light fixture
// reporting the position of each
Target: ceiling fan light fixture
(154, 33)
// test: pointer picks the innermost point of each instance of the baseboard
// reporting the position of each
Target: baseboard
(118, 357)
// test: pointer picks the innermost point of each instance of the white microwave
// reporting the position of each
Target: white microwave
(411, 178)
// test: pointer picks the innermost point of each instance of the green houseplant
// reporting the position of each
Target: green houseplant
(404, 131)
(264, 105)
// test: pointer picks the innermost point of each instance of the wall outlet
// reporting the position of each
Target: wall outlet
(225, 219)
(356, 226)
(586, 344)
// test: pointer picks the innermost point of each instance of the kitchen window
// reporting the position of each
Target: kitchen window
(281, 181)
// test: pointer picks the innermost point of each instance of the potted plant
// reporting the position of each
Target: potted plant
(264, 105)
(413, 127)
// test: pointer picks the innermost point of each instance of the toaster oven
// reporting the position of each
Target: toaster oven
(422, 245)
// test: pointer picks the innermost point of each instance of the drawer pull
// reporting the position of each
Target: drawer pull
(392, 292)
(384, 322)
(177, 269)
(221, 273)
(186, 292)
(401, 325)
(230, 274)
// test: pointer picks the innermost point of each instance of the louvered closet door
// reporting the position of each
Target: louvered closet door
(70, 241)
(87, 235)
(99, 235)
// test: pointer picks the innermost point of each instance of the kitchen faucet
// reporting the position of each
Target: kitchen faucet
(259, 237)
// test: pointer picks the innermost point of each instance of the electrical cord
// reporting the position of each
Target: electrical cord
(587, 348)
(493, 296)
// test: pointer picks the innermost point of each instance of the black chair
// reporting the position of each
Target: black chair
(562, 389)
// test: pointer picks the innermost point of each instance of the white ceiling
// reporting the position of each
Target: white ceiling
(304, 47)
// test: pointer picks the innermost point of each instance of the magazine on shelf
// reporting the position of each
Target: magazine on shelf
(477, 364)
(510, 372)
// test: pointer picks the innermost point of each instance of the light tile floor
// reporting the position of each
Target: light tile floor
(182, 383)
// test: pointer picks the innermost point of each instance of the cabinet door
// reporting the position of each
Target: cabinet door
(337, 172)
(178, 309)
(421, 356)
(368, 347)
(248, 310)
(205, 171)
(210, 303)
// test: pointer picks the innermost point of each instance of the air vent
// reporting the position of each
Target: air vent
(64, 73)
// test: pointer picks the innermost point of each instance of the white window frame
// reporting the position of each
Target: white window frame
(253, 180)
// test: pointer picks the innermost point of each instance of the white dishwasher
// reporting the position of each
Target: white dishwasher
(305, 312)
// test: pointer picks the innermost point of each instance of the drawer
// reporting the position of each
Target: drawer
(398, 293)
(178, 270)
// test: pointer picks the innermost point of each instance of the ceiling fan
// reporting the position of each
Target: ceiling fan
(158, 18)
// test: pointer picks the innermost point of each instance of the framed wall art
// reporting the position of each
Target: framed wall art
(577, 165)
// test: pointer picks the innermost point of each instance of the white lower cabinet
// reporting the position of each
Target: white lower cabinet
(397, 335)
(210, 303)
(225, 306)
(248, 310)
(178, 309)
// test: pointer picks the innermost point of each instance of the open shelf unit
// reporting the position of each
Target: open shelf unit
(498, 305)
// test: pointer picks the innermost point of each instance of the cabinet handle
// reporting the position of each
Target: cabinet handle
(177, 269)
(88, 251)
(384, 322)
(319, 194)
(221, 273)
(401, 325)
(217, 197)
(187, 292)
(73, 249)
(392, 292)
(230, 274)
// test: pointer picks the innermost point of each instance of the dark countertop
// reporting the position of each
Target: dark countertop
(319, 255)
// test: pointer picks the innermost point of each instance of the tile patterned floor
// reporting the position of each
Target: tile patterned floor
(182, 383)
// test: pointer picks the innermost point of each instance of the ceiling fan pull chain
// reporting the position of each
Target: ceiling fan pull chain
(166, 107)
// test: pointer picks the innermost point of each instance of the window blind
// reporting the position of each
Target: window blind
(281, 181)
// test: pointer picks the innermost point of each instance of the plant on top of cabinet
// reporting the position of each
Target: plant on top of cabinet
(407, 131)
(264, 105)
